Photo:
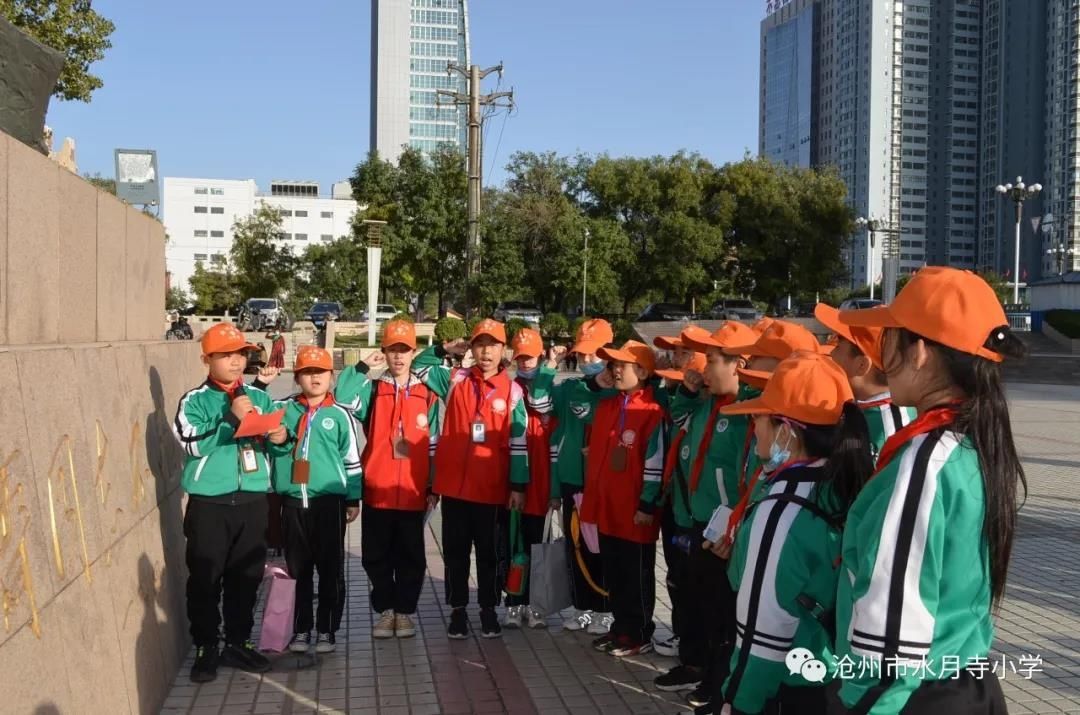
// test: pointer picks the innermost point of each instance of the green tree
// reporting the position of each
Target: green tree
(104, 183)
(336, 271)
(667, 219)
(448, 328)
(264, 268)
(176, 298)
(71, 27)
(554, 325)
(214, 291)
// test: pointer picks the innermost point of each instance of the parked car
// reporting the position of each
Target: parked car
(860, 304)
(735, 309)
(383, 312)
(259, 313)
(322, 311)
(529, 312)
(664, 312)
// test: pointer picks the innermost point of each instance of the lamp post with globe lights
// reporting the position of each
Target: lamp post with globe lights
(1018, 193)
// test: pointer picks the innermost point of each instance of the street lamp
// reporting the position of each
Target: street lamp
(1058, 250)
(871, 225)
(585, 274)
(1018, 193)
(373, 233)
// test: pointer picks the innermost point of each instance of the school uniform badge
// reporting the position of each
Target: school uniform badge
(498, 406)
(721, 426)
(327, 423)
(628, 437)
(421, 421)
(684, 453)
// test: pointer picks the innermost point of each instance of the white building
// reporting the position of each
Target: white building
(199, 215)
(411, 43)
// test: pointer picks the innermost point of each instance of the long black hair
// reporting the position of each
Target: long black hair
(846, 447)
(984, 418)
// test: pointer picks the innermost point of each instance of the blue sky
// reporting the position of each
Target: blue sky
(280, 90)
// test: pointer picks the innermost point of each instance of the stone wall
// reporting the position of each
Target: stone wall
(91, 543)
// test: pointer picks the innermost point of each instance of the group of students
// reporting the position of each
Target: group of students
(816, 504)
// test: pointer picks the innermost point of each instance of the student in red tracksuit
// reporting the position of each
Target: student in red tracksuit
(481, 467)
(400, 418)
(536, 382)
(623, 472)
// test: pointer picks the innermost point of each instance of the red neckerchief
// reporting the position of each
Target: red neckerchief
(874, 403)
(706, 440)
(926, 422)
(229, 390)
(746, 462)
(672, 457)
(327, 401)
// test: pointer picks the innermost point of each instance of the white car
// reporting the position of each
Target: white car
(383, 312)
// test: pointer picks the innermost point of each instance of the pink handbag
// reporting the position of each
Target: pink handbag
(277, 620)
(588, 531)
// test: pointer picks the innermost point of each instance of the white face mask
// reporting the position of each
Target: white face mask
(779, 455)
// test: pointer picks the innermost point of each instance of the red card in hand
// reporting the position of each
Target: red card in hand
(255, 424)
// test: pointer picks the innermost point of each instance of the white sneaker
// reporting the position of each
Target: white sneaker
(300, 643)
(325, 643)
(513, 617)
(384, 627)
(601, 624)
(578, 620)
(536, 618)
(404, 626)
(668, 647)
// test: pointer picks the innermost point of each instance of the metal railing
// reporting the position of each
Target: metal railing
(1019, 320)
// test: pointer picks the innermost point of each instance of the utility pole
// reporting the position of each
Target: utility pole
(474, 101)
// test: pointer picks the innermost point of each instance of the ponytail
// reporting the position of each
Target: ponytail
(983, 417)
(846, 446)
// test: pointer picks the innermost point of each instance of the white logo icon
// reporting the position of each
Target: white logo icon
(498, 406)
(328, 423)
(801, 661)
(684, 453)
(721, 426)
(628, 437)
(421, 421)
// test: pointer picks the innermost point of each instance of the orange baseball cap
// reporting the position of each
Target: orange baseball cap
(778, 341)
(762, 325)
(754, 378)
(592, 335)
(399, 332)
(527, 343)
(730, 333)
(224, 338)
(491, 328)
(667, 343)
(867, 340)
(312, 357)
(953, 307)
(633, 352)
(696, 363)
(806, 387)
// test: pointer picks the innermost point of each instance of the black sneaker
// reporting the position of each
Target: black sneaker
(204, 669)
(459, 625)
(489, 624)
(681, 677)
(245, 657)
(604, 643)
(701, 696)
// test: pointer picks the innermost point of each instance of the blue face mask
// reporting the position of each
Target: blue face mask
(777, 455)
(592, 369)
(528, 374)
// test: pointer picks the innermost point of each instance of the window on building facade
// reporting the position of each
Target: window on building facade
(326, 237)
(300, 236)
(285, 212)
(217, 192)
(200, 256)
(300, 214)
(200, 234)
(326, 214)
(200, 209)
(199, 190)
(217, 209)
(217, 234)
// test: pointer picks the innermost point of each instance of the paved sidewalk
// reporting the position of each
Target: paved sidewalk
(552, 671)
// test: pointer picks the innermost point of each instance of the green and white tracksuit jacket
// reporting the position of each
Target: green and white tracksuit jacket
(718, 483)
(783, 567)
(330, 444)
(205, 426)
(914, 597)
(883, 419)
(573, 401)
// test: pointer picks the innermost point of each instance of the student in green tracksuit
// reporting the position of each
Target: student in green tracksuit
(927, 543)
(813, 440)
(713, 444)
(317, 474)
(574, 400)
(227, 480)
(858, 352)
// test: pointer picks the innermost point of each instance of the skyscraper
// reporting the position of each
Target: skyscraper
(412, 41)
(1061, 177)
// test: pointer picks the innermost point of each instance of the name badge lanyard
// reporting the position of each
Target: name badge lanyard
(398, 441)
(620, 454)
(312, 413)
(479, 428)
